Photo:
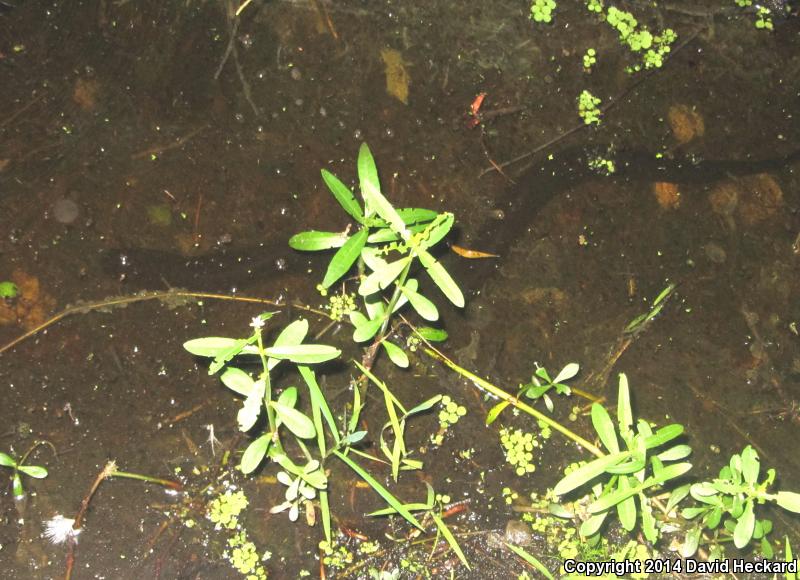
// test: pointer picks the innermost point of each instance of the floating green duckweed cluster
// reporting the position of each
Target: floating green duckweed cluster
(595, 6)
(764, 18)
(8, 290)
(509, 495)
(589, 59)
(542, 10)
(602, 165)
(449, 414)
(244, 557)
(224, 510)
(518, 447)
(557, 532)
(341, 305)
(589, 108)
(335, 556)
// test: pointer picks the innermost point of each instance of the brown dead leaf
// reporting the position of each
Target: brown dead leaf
(762, 198)
(472, 254)
(667, 194)
(397, 77)
(685, 123)
(31, 307)
(85, 94)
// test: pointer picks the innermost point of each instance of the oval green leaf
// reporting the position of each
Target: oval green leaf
(313, 241)
(396, 354)
(345, 257)
(304, 353)
(255, 453)
(295, 421)
(343, 195)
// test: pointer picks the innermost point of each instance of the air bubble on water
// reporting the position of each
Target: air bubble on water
(280, 264)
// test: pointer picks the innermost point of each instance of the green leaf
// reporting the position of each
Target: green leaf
(237, 380)
(251, 408)
(664, 293)
(626, 511)
(588, 472)
(33, 470)
(678, 494)
(367, 330)
(396, 354)
(691, 542)
(648, 521)
(451, 539)
(345, 257)
(675, 453)
(313, 241)
(424, 307)
(288, 397)
(371, 190)
(530, 560)
(380, 490)
(744, 526)
(297, 422)
(667, 433)
(751, 465)
(604, 426)
(441, 278)
(788, 500)
(495, 411)
(213, 346)
(624, 413)
(318, 399)
(304, 353)
(381, 278)
(438, 230)
(6, 460)
(567, 373)
(416, 215)
(424, 406)
(255, 452)
(592, 525)
(432, 334)
(343, 195)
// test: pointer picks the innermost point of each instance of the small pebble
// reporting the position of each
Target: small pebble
(715, 253)
(65, 210)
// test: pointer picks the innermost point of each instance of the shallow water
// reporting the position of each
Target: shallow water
(185, 180)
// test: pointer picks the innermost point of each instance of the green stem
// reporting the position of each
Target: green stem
(147, 478)
(401, 280)
(500, 393)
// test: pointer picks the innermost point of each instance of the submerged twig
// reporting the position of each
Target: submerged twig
(166, 295)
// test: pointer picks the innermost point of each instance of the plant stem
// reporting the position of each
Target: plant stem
(500, 393)
(165, 482)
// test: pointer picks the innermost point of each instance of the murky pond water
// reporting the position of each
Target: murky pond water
(157, 145)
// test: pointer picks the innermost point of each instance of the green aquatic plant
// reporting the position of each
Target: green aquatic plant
(8, 290)
(382, 232)
(731, 500)
(622, 476)
(589, 108)
(433, 507)
(542, 11)
(518, 447)
(589, 59)
(18, 467)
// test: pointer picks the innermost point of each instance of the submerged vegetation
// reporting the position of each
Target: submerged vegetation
(639, 480)
(330, 401)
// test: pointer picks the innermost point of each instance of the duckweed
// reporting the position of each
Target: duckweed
(542, 10)
(518, 447)
(224, 510)
(589, 108)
